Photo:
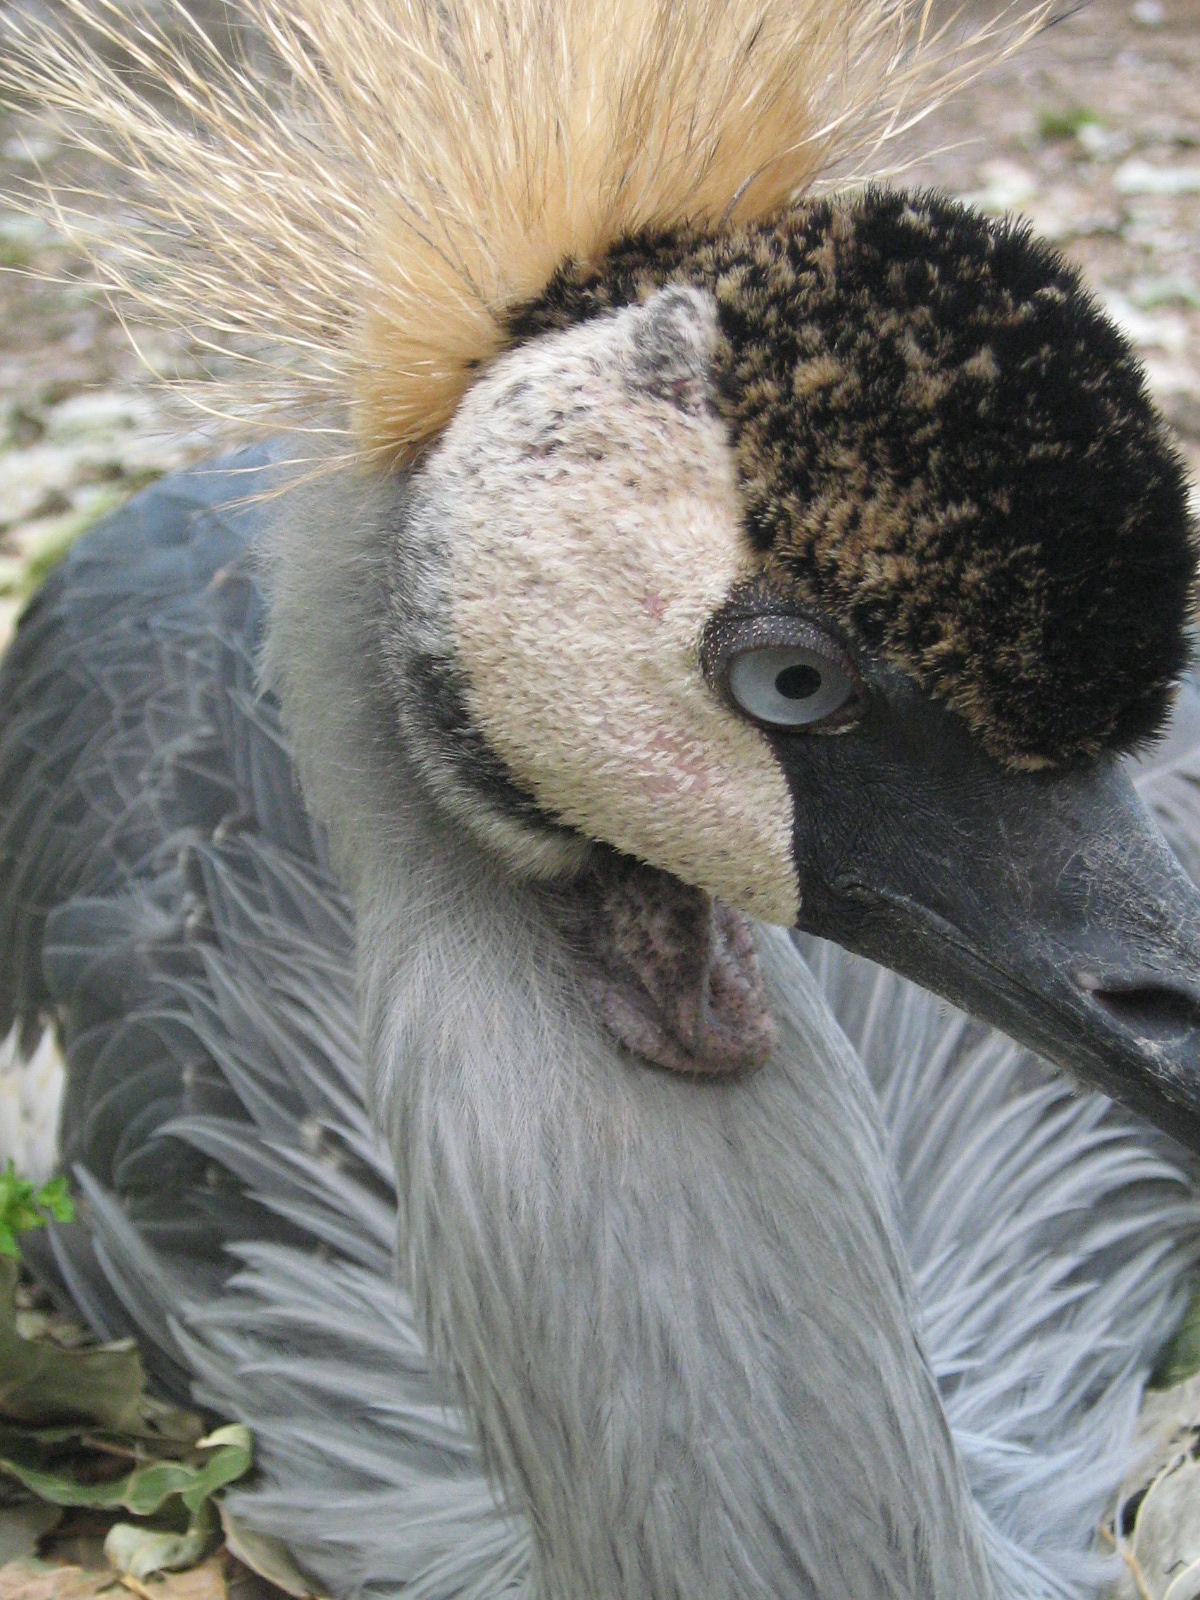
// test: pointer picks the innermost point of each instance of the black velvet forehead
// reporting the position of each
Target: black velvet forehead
(947, 447)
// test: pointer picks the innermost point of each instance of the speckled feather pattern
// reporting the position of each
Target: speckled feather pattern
(946, 448)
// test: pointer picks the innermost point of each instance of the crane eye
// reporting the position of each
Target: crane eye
(789, 686)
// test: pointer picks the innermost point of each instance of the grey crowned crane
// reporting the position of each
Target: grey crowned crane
(707, 560)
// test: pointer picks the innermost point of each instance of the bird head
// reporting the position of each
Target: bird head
(829, 566)
(825, 556)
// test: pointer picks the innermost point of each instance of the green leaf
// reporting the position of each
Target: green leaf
(60, 1391)
(54, 1198)
(147, 1488)
(22, 1206)
(1181, 1359)
(82, 1432)
(139, 1550)
(43, 1383)
(231, 1452)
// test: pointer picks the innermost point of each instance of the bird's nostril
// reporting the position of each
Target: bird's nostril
(1152, 1010)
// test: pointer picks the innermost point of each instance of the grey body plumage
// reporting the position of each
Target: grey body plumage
(241, 1212)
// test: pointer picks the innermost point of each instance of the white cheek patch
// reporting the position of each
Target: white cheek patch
(590, 515)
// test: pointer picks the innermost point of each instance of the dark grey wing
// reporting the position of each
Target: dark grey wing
(154, 854)
(116, 733)
(151, 835)
(167, 903)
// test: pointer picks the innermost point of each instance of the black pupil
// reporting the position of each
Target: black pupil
(798, 682)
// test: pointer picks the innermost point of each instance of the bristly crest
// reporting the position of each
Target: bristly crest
(352, 223)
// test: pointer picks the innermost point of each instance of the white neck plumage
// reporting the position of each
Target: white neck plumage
(679, 1310)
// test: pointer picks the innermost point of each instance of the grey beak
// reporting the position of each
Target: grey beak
(1048, 905)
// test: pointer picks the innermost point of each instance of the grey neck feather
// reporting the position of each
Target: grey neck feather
(680, 1310)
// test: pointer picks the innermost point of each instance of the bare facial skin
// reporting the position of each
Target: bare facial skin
(588, 504)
